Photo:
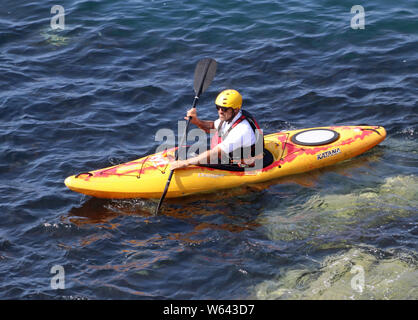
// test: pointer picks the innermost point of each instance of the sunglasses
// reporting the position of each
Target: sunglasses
(224, 109)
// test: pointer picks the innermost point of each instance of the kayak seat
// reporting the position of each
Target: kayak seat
(267, 160)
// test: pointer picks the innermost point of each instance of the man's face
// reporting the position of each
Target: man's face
(226, 114)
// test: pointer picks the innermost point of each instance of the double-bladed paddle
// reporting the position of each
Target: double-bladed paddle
(203, 75)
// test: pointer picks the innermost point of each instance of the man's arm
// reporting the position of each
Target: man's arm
(205, 125)
(204, 158)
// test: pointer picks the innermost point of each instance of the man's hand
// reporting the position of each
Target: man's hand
(192, 114)
(205, 125)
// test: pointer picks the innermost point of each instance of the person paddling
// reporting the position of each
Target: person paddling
(236, 136)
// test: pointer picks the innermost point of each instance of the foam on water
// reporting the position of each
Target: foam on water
(338, 213)
(356, 274)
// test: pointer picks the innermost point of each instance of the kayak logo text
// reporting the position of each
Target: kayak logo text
(200, 140)
(327, 154)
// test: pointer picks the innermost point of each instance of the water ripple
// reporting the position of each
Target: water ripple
(94, 95)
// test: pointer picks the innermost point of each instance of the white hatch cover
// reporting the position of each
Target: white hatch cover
(315, 137)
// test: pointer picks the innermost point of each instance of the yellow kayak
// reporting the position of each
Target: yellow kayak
(286, 153)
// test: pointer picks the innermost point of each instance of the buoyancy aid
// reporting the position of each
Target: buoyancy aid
(217, 138)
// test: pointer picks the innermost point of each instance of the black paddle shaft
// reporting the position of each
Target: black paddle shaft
(204, 73)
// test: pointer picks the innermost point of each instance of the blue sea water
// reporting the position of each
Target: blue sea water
(96, 93)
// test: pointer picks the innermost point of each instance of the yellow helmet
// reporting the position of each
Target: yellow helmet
(229, 98)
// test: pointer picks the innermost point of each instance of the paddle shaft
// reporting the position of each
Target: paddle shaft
(196, 99)
(202, 81)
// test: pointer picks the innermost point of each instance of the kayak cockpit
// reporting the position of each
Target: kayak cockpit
(268, 159)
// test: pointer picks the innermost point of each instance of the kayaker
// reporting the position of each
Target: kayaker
(235, 134)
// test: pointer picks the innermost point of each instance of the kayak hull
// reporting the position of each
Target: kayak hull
(146, 177)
